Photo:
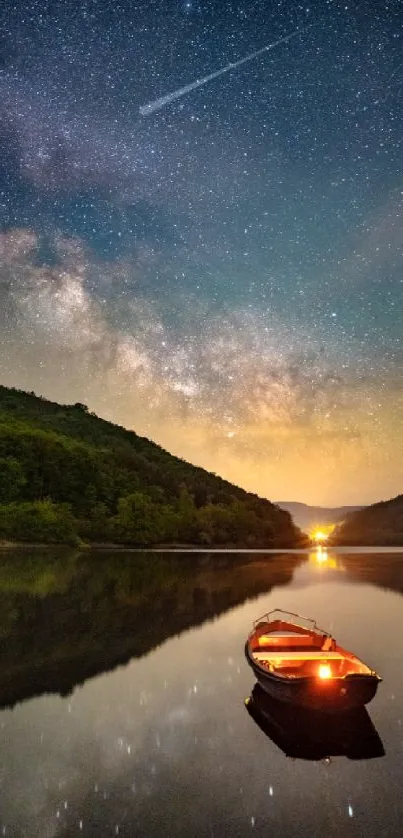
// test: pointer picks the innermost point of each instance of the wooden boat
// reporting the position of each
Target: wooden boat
(297, 662)
(311, 735)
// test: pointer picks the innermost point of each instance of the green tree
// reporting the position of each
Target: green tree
(137, 520)
(40, 521)
(12, 479)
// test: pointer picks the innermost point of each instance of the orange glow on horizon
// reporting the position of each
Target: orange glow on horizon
(319, 536)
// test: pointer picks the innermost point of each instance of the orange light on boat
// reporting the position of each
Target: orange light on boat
(324, 671)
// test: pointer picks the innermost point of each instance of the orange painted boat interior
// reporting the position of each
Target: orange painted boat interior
(291, 651)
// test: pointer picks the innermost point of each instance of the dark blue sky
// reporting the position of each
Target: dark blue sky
(224, 275)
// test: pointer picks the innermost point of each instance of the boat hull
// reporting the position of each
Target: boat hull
(328, 696)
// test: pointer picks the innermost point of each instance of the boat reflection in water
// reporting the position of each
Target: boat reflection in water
(308, 734)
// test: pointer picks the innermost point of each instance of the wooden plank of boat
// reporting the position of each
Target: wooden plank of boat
(268, 654)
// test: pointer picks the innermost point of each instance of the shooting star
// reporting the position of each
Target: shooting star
(157, 104)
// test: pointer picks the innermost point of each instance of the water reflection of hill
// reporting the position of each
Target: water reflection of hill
(384, 570)
(68, 617)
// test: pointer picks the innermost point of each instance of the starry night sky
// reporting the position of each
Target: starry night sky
(225, 275)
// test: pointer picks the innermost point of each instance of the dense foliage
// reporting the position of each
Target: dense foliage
(67, 474)
(379, 524)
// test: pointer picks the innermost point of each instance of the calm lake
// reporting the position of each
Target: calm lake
(123, 684)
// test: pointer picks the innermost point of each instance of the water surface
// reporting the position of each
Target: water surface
(123, 686)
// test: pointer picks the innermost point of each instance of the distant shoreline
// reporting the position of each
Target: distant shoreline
(88, 545)
(194, 548)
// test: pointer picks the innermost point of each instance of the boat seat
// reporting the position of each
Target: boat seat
(279, 639)
(270, 655)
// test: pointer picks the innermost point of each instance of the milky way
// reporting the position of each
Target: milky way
(225, 276)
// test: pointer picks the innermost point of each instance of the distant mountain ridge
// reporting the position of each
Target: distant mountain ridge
(307, 517)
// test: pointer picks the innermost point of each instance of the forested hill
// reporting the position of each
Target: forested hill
(379, 524)
(66, 474)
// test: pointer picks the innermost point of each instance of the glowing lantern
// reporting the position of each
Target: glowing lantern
(324, 671)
